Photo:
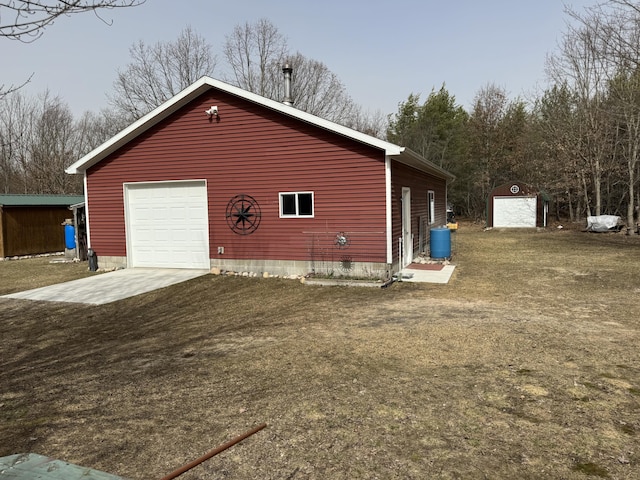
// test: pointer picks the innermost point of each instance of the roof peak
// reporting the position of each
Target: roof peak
(202, 85)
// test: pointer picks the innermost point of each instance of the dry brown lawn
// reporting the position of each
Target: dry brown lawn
(526, 365)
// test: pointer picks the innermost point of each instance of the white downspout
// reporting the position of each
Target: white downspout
(387, 178)
(86, 210)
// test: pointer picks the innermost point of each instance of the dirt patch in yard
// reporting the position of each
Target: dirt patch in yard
(524, 366)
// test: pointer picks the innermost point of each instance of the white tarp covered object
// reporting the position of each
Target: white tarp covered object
(603, 223)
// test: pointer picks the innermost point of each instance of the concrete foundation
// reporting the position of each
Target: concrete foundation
(280, 267)
(111, 263)
(296, 267)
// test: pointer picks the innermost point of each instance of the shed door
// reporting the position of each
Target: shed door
(514, 212)
(167, 224)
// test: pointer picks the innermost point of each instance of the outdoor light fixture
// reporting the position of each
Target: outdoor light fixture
(212, 112)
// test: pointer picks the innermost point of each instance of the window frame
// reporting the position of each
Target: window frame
(297, 204)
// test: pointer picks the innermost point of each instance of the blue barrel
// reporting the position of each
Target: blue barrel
(69, 237)
(440, 242)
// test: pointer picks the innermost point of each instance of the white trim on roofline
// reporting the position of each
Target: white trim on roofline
(205, 83)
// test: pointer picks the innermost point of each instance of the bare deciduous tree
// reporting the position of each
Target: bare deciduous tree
(579, 66)
(598, 61)
(625, 109)
(374, 123)
(617, 31)
(38, 139)
(25, 20)
(93, 129)
(158, 72)
(8, 89)
(53, 144)
(556, 125)
(255, 53)
(316, 90)
(15, 111)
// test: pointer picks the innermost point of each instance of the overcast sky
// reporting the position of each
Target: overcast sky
(382, 51)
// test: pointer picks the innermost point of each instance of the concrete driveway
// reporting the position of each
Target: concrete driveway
(109, 287)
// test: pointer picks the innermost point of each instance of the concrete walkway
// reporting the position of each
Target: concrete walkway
(110, 287)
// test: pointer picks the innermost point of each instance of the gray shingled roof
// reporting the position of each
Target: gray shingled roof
(40, 200)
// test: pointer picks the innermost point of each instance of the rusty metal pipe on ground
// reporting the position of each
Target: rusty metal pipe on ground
(212, 453)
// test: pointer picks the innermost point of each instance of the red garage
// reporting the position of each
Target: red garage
(219, 176)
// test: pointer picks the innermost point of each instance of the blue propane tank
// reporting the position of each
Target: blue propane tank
(440, 242)
(69, 237)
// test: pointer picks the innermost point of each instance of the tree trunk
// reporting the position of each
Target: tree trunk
(633, 160)
(597, 186)
(585, 193)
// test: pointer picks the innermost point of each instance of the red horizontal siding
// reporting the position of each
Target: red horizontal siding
(419, 183)
(254, 151)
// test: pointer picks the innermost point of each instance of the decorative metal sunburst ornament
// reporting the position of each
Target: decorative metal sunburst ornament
(243, 214)
(346, 263)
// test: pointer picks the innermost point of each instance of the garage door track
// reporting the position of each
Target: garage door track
(110, 287)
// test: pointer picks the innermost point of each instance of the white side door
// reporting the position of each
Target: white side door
(407, 236)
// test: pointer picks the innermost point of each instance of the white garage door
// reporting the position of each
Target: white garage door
(167, 224)
(514, 212)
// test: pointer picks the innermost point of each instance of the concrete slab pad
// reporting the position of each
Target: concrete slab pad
(30, 466)
(428, 276)
(110, 287)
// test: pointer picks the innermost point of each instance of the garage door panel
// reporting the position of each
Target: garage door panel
(515, 212)
(167, 225)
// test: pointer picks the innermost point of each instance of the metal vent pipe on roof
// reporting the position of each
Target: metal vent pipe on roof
(287, 71)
